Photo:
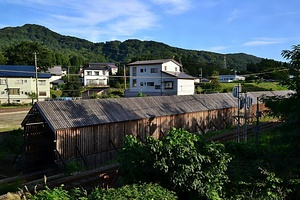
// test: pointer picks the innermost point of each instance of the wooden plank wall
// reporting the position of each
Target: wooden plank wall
(39, 144)
(96, 145)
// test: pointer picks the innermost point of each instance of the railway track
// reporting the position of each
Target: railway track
(251, 131)
(107, 176)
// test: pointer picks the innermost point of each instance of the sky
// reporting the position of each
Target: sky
(261, 28)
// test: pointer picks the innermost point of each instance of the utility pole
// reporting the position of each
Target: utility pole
(7, 89)
(239, 120)
(36, 77)
(200, 75)
(258, 115)
(245, 116)
(225, 62)
(124, 74)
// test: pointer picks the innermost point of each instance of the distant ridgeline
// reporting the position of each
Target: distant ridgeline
(122, 52)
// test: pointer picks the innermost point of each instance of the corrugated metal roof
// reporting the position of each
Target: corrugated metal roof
(70, 114)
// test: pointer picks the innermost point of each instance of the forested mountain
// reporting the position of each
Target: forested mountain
(68, 50)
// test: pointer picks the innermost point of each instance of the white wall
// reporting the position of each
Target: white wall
(25, 86)
(144, 77)
(170, 66)
(185, 87)
(100, 79)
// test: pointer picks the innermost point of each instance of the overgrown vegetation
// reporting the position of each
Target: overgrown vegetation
(181, 161)
(207, 87)
(136, 191)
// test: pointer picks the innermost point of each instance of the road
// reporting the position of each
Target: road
(11, 118)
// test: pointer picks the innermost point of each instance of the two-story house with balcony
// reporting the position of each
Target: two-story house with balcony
(159, 78)
(97, 74)
(18, 82)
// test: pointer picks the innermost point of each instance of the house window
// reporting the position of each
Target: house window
(2, 81)
(41, 82)
(97, 73)
(19, 82)
(169, 85)
(141, 83)
(42, 93)
(150, 83)
(133, 71)
(14, 91)
(165, 68)
(175, 69)
(157, 87)
(141, 70)
(154, 70)
(89, 73)
(133, 82)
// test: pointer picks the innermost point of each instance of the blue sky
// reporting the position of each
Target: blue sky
(259, 27)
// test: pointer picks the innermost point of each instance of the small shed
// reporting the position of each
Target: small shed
(92, 131)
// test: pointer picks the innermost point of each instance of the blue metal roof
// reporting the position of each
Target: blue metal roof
(20, 71)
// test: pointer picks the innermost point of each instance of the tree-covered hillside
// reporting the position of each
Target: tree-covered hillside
(83, 51)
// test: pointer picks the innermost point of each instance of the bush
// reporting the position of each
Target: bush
(181, 161)
(73, 166)
(143, 191)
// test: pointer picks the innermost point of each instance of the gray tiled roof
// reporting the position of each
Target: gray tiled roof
(180, 75)
(56, 70)
(69, 114)
(153, 62)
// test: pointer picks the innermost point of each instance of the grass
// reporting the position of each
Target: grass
(252, 87)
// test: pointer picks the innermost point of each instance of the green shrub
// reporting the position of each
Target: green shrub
(73, 166)
(181, 161)
(143, 191)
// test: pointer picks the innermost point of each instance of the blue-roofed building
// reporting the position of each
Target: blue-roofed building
(18, 81)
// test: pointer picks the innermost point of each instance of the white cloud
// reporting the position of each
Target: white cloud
(264, 41)
(233, 15)
(175, 6)
(94, 18)
(218, 48)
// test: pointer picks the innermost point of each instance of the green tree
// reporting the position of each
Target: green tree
(288, 108)
(215, 81)
(23, 54)
(72, 86)
(32, 96)
(2, 59)
(181, 161)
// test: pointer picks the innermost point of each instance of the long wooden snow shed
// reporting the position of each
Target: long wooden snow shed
(92, 131)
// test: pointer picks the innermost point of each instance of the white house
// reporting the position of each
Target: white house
(17, 82)
(97, 74)
(230, 78)
(159, 78)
